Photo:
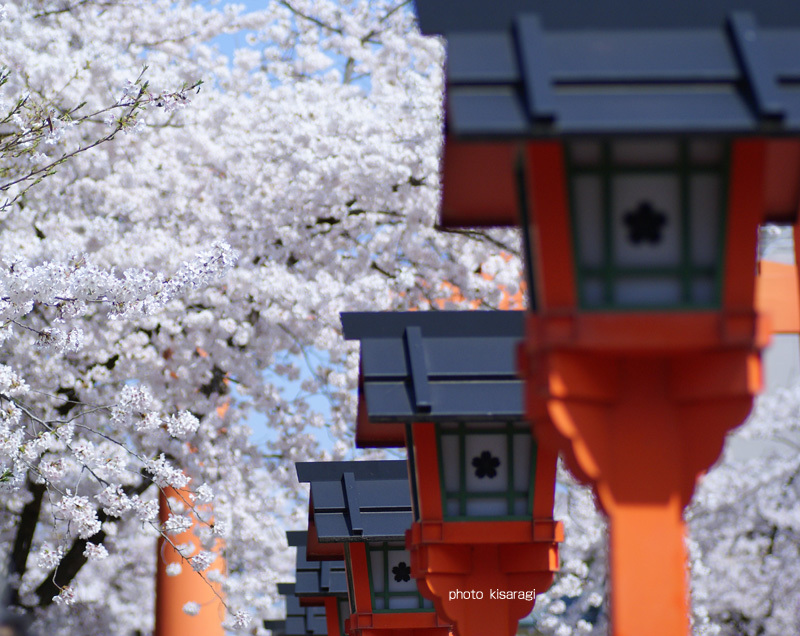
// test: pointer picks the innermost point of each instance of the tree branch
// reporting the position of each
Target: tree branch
(28, 520)
(63, 574)
(477, 235)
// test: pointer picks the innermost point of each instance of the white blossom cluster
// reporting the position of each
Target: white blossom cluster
(79, 513)
(745, 530)
(202, 561)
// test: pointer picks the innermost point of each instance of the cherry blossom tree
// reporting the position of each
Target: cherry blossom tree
(179, 232)
(745, 530)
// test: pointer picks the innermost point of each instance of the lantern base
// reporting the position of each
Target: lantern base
(400, 623)
(640, 429)
(483, 587)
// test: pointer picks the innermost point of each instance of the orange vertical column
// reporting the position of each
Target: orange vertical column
(642, 441)
(641, 492)
(174, 592)
(640, 403)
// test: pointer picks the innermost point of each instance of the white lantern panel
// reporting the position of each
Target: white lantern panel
(494, 507)
(404, 602)
(450, 462)
(646, 214)
(585, 153)
(427, 604)
(704, 291)
(453, 509)
(521, 506)
(588, 201)
(378, 604)
(593, 292)
(522, 462)
(377, 571)
(704, 203)
(706, 152)
(400, 579)
(486, 458)
(645, 152)
(647, 291)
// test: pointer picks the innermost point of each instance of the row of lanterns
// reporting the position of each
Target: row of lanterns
(639, 146)
(460, 538)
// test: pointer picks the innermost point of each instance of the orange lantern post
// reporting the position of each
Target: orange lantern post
(188, 586)
(483, 542)
(643, 386)
(632, 142)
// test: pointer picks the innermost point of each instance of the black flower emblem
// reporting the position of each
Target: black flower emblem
(645, 224)
(485, 465)
(401, 572)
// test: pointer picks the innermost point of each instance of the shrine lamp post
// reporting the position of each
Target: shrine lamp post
(638, 146)
(363, 509)
(320, 583)
(483, 542)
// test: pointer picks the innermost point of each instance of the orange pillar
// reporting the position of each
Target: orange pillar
(174, 592)
(648, 587)
(642, 429)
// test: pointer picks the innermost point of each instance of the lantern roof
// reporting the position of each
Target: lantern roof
(300, 621)
(537, 68)
(441, 365)
(316, 578)
(358, 501)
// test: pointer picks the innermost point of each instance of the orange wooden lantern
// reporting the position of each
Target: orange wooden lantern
(483, 542)
(360, 511)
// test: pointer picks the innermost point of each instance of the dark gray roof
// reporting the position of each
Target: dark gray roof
(358, 501)
(537, 68)
(300, 621)
(278, 627)
(439, 365)
(448, 16)
(316, 578)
